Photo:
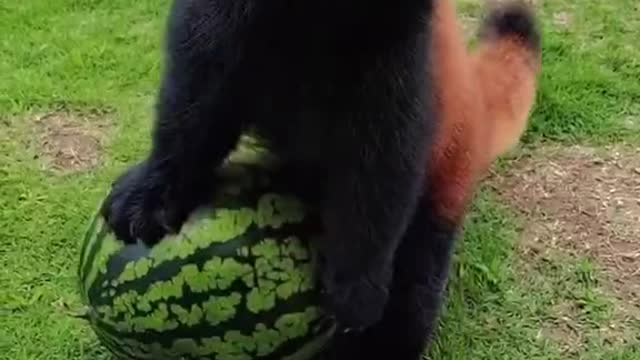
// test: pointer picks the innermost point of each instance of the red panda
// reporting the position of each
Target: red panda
(483, 99)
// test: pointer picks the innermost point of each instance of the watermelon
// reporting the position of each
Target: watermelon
(235, 284)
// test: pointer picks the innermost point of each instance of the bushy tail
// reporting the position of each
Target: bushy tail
(514, 21)
(506, 66)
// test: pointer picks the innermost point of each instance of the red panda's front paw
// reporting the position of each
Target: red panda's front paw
(145, 205)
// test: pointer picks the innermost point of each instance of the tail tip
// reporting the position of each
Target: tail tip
(514, 19)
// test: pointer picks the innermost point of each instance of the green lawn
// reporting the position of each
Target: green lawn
(99, 61)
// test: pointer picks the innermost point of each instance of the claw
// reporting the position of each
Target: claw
(349, 330)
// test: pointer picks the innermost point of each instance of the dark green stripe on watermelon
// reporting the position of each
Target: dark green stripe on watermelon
(227, 249)
(243, 321)
(298, 348)
(305, 348)
(92, 245)
(119, 348)
(188, 299)
(89, 234)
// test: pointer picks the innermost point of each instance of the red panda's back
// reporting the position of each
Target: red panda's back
(458, 104)
(482, 99)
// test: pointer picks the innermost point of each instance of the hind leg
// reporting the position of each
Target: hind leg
(420, 276)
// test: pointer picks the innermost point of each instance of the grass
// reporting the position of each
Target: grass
(88, 55)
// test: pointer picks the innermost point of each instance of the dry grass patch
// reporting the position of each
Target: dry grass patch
(580, 202)
(583, 201)
(71, 142)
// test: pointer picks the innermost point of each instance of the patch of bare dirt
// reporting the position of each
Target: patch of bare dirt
(71, 142)
(568, 329)
(584, 202)
(564, 329)
(580, 201)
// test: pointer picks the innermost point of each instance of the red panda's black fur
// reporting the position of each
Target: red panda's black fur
(483, 100)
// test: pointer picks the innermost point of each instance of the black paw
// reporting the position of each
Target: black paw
(144, 204)
(356, 303)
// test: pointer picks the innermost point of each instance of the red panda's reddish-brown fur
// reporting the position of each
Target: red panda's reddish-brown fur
(483, 98)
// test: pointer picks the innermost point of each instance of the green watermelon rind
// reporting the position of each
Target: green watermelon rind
(98, 246)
